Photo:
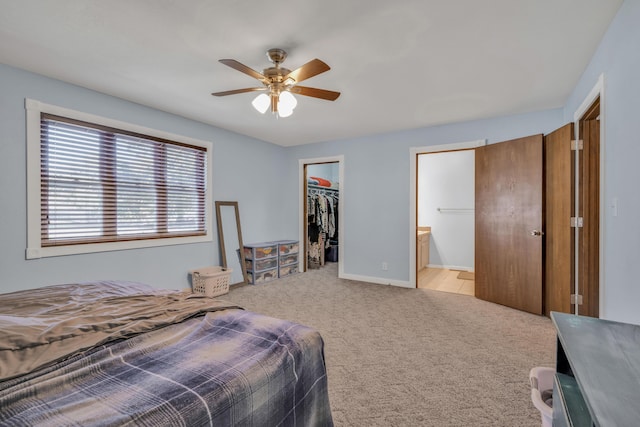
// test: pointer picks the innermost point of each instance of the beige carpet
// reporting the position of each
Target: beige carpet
(413, 357)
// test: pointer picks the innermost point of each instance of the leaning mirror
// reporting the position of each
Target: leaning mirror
(230, 237)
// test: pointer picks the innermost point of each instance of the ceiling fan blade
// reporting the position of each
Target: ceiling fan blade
(308, 70)
(243, 68)
(329, 95)
(233, 92)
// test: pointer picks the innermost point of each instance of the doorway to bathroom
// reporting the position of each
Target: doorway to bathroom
(442, 222)
(445, 221)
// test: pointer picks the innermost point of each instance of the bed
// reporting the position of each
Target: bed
(118, 353)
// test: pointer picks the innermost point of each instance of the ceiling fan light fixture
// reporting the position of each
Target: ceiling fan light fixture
(287, 101)
(278, 82)
(261, 103)
(285, 113)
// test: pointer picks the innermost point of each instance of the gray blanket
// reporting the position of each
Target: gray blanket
(39, 326)
(228, 367)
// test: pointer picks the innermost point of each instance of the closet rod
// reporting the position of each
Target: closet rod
(443, 210)
(323, 191)
(319, 187)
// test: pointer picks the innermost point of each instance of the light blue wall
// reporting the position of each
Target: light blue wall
(376, 195)
(618, 58)
(244, 169)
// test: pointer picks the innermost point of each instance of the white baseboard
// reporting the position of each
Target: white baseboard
(377, 280)
(452, 267)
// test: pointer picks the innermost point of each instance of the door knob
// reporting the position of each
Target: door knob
(537, 233)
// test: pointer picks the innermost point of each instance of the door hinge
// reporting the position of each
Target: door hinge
(577, 222)
(576, 299)
(577, 144)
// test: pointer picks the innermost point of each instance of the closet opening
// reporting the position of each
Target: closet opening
(321, 209)
(323, 198)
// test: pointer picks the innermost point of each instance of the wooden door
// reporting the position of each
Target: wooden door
(509, 207)
(589, 233)
(559, 265)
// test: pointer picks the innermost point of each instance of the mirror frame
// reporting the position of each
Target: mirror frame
(223, 253)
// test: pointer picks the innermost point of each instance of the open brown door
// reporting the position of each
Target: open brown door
(589, 252)
(559, 201)
(509, 220)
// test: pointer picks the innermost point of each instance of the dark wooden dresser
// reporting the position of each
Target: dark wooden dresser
(597, 381)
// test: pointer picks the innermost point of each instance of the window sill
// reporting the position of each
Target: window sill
(53, 251)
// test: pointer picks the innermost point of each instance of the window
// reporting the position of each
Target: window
(105, 185)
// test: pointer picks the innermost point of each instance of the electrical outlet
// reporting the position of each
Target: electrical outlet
(385, 266)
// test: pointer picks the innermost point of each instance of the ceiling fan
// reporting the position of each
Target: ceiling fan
(279, 83)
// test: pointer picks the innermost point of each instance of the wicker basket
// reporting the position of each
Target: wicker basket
(211, 281)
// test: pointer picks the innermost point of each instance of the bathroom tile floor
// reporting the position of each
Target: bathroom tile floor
(445, 280)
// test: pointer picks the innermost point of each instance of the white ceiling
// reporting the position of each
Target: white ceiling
(399, 65)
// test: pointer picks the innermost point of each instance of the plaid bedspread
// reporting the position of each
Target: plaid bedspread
(226, 368)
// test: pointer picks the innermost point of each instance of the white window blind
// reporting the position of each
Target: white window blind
(101, 184)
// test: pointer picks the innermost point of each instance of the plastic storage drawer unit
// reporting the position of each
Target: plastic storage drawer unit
(288, 257)
(269, 260)
(261, 260)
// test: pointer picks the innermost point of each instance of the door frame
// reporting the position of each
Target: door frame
(414, 152)
(302, 191)
(596, 91)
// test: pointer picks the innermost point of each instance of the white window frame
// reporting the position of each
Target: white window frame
(34, 249)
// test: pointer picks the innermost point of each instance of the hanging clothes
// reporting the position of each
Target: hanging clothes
(322, 218)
